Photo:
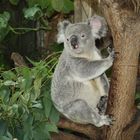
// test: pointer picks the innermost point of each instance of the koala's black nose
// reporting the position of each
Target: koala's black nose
(74, 40)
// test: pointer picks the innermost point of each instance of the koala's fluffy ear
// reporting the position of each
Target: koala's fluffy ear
(61, 30)
(98, 26)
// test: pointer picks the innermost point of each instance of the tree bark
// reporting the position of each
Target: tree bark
(125, 27)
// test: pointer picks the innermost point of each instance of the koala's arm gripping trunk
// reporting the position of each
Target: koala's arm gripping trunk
(86, 70)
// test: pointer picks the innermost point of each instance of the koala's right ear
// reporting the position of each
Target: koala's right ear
(98, 26)
(61, 30)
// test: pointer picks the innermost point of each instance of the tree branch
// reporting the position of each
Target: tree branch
(18, 59)
(89, 130)
(134, 125)
(65, 136)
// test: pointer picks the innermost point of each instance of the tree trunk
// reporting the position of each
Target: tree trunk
(125, 27)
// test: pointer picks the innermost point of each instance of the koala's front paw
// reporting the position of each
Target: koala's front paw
(105, 120)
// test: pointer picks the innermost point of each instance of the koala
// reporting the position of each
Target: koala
(79, 88)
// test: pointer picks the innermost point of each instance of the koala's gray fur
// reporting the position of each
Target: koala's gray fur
(79, 81)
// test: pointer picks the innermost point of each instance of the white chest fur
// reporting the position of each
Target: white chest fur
(93, 89)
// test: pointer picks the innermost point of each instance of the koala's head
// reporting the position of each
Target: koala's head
(78, 38)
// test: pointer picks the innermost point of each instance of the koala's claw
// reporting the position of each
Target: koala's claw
(112, 118)
(108, 120)
(111, 52)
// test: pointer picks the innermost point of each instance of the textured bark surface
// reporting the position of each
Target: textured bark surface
(125, 27)
(88, 130)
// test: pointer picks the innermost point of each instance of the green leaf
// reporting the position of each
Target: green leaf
(15, 109)
(15, 96)
(37, 88)
(137, 95)
(3, 127)
(41, 132)
(54, 115)
(25, 81)
(47, 106)
(4, 18)
(9, 135)
(4, 138)
(57, 4)
(52, 127)
(5, 94)
(10, 83)
(32, 13)
(68, 6)
(14, 2)
(28, 127)
(37, 105)
(38, 114)
(4, 27)
(42, 3)
(8, 75)
(4, 32)
(47, 103)
(31, 3)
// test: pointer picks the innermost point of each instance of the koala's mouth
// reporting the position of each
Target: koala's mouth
(75, 47)
(74, 42)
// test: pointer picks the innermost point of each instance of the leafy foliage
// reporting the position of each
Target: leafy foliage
(38, 10)
(14, 2)
(26, 109)
(32, 12)
(4, 27)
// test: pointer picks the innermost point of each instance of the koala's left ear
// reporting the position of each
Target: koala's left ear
(98, 26)
(61, 30)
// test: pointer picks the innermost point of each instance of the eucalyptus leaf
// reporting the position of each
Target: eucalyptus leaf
(4, 18)
(37, 88)
(32, 12)
(51, 127)
(47, 103)
(15, 109)
(42, 3)
(28, 128)
(8, 75)
(10, 83)
(54, 115)
(3, 127)
(14, 2)
(4, 32)
(37, 105)
(41, 132)
(68, 6)
(57, 5)
(4, 138)
(4, 94)
(4, 27)
(25, 94)
(15, 97)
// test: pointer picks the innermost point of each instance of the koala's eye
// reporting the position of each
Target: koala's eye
(83, 35)
(67, 39)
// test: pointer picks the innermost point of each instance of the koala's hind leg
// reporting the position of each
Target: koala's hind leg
(102, 105)
(79, 111)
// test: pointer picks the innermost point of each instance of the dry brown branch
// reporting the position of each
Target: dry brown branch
(89, 130)
(18, 59)
(65, 136)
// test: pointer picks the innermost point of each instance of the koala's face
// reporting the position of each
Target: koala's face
(78, 38)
